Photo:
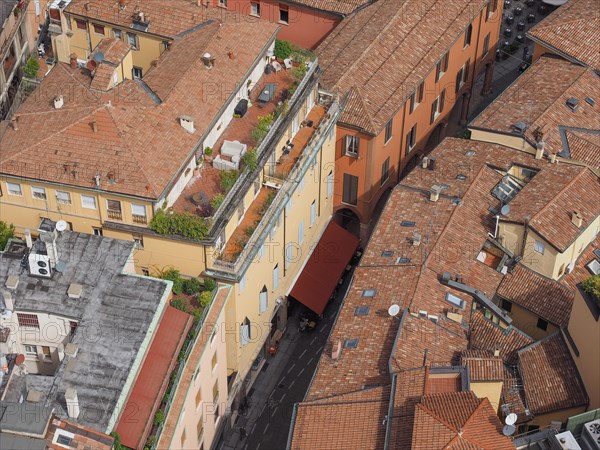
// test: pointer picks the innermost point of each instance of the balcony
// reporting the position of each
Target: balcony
(115, 215)
(140, 220)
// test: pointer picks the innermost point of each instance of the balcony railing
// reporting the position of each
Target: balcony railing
(143, 220)
(115, 215)
(283, 195)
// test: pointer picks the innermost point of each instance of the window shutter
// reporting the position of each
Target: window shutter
(263, 300)
(245, 334)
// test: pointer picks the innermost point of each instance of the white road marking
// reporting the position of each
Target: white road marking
(303, 353)
(300, 373)
(253, 427)
(292, 383)
(283, 396)
(266, 428)
(291, 367)
(309, 361)
(313, 341)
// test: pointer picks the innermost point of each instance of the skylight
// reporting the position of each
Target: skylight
(407, 223)
(453, 299)
(361, 311)
(387, 253)
(403, 260)
(351, 343)
(369, 293)
(507, 189)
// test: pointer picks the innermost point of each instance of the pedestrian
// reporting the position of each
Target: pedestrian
(243, 433)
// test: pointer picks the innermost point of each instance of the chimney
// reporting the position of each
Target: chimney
(141, 16)
(59, 101)
(539, 152)
(28, 238)
(416, 240)
(94, 125)
(72, 403)
(86, 5)
(61, 352)
(208, 60)
(122, 4)
(337, 351)
(12, 282)
(73, 60)
(187, 123)
(496, 352)
(576, 219)
(8, 301)
(425, 162)
(231, 55)
(434, 194)
(50, 240)
(552, 158)
(15, 122)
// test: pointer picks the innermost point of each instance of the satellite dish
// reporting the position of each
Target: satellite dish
(511, 419)
(393, 310)
(99, 56)
(508, 430)
(505, 210)
(20, 359)
(61, 225)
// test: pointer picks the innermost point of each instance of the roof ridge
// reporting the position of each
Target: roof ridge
(437, 417)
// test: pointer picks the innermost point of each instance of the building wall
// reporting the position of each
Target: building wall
(543, 420)
(585, 332)
(490, 389)
(374, 150)
(527, 322)
(515, 142)
(306, 27)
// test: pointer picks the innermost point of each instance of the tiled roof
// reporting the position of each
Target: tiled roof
(539, 99)
(486, 335)
(483, 365)
(336, 6)
(458, 420)
(573, 30)
(139, 142)
(113, 50)
(544, 297)
(584, 145)
(384, 50)
(513, 395)
(550, 378)
(350, 421)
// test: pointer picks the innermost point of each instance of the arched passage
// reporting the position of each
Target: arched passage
(348, 220)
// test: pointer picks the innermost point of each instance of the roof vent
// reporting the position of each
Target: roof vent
(496, 352)
(72, 403)
(425, 162)
(433, 318)
(572, 103)
(576, 219)
(539, 150)
(434, 194)
(12, 282)
(519, 127)
(552, 158)
(59, 101)
(187, 123)
(590, 101)
(208, 60)
(416, 240)
(34, 396)
(75, 290)
(71, 350)
(422, 313)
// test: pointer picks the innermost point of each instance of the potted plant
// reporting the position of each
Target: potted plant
(208, 151)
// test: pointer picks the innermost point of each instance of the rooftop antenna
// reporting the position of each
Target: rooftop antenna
(504, 211)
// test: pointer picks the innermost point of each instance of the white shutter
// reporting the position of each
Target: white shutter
(330, 184)
(138, 210)
(263, 301)
(244, 334)
(289, 252)
(242, 283)
(276, 277)
(301, 232)
(313, 212)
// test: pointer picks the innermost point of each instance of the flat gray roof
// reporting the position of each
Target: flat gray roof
(114, 314)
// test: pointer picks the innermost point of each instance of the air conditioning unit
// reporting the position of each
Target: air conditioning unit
(39, 265)
(591, 435)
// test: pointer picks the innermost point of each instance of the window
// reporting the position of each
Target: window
(63, 197)
(455, 301)
(369, 293)
(88, 201)
(350, 194)
(421, 92)
(289, 254)
(28, 320)
(459, 79)
(145, 271)
(284, 14)
(14, 188)
(486, 45)
(288, 206)
(506, 305)
(539, 247)
(81, 25)
(413, 102)
(97, 231)
(138, 240)
(388, 130)
(245, 332)
(442, 101)
(183, 438)
(411, 138)
(351, 343)
(63, 439)
(31, 350)
(442, 66)
(138, 213)
(240, 210)
(213, 363)
(198, 397)
(467, 67)
(255, 9)
(242, 283)
(361, 311)
(46, 351)
(542, 324)
(434, 110)
(114, 209)
(468, 34)
(276, 276)
(118, 34)
(38, 192)
(330, 184)
(137, 73)
(491, 8)
(351, 144)
(99, 29)
(301, 232)
(263, 300)
(313, 212)
(385, 171)
(132, 39)
(301, 184)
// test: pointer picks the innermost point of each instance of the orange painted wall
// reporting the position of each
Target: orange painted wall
(306, 27)
(373, 150)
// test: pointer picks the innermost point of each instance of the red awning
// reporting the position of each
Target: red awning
(151, 383)
(325, 267)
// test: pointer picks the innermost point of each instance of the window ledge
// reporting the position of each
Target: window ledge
(281, 22)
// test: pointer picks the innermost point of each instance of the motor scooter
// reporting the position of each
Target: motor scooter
(307, 325)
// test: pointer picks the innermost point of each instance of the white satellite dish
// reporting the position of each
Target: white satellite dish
(393, 310)
(511, 419)
(61, 225)
(508, 430)
(505, 210)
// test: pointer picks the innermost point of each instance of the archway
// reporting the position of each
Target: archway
(348, 220)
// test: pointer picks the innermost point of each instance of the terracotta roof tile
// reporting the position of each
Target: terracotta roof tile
(550, 378)
(336, 6)
(483, 365)
(384, 50)
(573, 29)
(546, 298)
(539, 99)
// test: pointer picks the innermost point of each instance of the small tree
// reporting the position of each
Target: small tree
(6, 232)
(31, 67)
(217, 201)
(283, 49)
(592, 286)
(180, 302)
(174, 276)
(250, 160)
(227, 179)
(191, 286)
(205, 298)
(210, 284)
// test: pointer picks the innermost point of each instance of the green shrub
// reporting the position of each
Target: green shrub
(191, 286)
(250, 230)
(270, 199)
(301, 55)
(159, 417)
(250, 160)
(208, 151)
(117, 443)
(6, 232)
(183, 224)
(283, 49)
(205, 298)
(210, 284)
(151, 442)
(31, 67)
(227, 179)
(172, 275)
(180, 302)
(299, 72)
(217, 200)
(592, 286)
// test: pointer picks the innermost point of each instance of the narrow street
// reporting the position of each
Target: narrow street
(284, 381)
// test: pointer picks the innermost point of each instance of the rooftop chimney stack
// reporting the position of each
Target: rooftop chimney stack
(8, 301)
(15, 123)
(94, 125)
(336, 351)
(496, 352)
(425, 162)
(59, 102)
(576, 219)
(416, 240)
(539, 151)
(434, 194)
(28, 238)
(187, 123)
(49, 239)
(208, 60)
(72, 403)
(552, 158)
(73, 60)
